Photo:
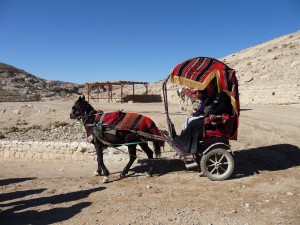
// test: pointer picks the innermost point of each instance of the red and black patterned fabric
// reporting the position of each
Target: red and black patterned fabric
(198, 73)
(190, 93)
(130, 121)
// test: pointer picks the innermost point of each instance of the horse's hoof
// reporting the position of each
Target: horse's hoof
(96, 173)
(122, 175)
(149, 174)
(105, 179)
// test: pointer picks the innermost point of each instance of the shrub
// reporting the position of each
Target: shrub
(11, 130)
(36, 97)
(59, 124)
(2, 135)
(25, 129)
(33, 127)
(21, 122)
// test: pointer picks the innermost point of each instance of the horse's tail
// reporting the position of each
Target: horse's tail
(157, 149)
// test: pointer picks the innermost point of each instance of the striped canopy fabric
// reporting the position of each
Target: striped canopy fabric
(198, 73)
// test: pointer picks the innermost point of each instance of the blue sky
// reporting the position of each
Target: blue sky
(133, 40)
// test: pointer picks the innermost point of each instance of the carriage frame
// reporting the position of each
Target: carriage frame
(214, 156)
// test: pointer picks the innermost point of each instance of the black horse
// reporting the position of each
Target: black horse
(84, 111)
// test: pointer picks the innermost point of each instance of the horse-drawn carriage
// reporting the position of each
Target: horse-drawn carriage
(213, 153)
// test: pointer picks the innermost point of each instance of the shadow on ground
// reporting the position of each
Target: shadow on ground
(162, 166)
(268, 158)
(15, 180)
(27, 211)
(247, 162)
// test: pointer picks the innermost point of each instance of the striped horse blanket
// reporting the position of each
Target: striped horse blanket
(129, 121)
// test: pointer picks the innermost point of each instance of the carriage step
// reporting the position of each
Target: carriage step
(191, 165)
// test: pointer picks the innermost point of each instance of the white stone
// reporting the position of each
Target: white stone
(16, 111)
(295, 63)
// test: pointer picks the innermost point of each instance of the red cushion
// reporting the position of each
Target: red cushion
(214, 132)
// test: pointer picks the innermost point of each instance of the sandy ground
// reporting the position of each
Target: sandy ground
(264, 189)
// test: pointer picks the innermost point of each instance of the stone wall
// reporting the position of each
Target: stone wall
(35, 150)
(63, 151)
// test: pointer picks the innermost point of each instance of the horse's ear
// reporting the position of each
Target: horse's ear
(81, 98)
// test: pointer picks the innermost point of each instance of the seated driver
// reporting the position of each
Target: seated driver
(201, 110)
(188, 139)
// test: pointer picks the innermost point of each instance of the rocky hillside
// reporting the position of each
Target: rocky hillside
(18, 85)
(268, 73)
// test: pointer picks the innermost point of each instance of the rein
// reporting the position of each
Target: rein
(101, 140)
(87, 117)
(83, 121)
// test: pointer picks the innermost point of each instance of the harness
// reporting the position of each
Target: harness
(99, 128)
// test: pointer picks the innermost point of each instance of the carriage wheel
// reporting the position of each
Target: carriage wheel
(217, 164)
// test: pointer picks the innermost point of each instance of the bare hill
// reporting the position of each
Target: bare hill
(268, 73)
(19, 85)
(47, 164)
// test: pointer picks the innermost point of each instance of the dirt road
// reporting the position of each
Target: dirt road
(264, 189)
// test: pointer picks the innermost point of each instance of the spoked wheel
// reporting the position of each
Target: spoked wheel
(217, 164)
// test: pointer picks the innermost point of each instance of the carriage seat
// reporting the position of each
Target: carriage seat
(217, 125)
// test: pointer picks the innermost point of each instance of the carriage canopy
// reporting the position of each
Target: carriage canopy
(198, 73)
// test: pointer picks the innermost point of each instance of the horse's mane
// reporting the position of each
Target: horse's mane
(85, 105)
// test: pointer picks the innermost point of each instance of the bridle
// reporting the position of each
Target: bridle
(86, 117)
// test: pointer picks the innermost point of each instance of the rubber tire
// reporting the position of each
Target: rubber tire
(219, 152)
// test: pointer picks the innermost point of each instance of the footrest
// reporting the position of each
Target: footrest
(166, 133)
(191, 165)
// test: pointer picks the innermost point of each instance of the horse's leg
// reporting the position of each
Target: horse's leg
(132, 158)
(157, 149)
(101, 170)
(149, 153)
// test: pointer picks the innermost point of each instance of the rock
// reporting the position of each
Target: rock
(247, 205)
(16, 111)
(249, 79)
(233, 211)
(295, 64)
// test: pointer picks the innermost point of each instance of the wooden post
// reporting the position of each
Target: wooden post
(108, 92)
(133, 99)
(98, 91)
(88, 91)
(111, 92)
(121, 93)
(146, 85)
(146, 92)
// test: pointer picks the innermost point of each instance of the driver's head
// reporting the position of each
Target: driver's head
(202, 94)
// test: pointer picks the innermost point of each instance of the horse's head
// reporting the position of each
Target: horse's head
(81, 108)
